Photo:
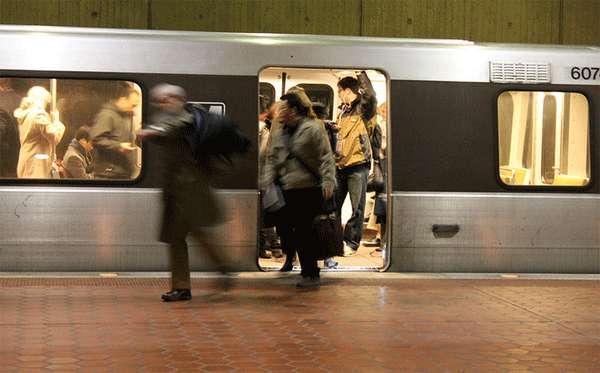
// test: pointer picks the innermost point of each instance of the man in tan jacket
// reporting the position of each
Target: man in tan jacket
(353, 154)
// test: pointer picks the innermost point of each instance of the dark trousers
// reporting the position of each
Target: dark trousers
(302, 206)
(287, 241)
(179, 261)
(353, 180)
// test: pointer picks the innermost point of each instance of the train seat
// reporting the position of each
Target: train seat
(515, 176)
(507, 174)
(570, 180)
(522, 176)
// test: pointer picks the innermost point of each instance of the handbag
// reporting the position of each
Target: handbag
(328, 235)
(272, 199)
(375, 180)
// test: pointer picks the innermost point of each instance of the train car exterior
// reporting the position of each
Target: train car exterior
(453, 205)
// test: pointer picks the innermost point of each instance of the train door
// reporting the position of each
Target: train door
(321, 87)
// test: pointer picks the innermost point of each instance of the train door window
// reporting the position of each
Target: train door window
(321, 93)
(267, 91)
(69, 129)
(321, 86)
(543, 138)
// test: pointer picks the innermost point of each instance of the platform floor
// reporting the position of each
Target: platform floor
(358, 324)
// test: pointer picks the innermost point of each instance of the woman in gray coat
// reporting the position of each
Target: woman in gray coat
(300, 160)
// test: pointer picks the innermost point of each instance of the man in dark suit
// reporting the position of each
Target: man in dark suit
(190, 203)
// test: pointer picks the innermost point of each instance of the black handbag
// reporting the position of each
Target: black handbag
(328, 235)
(375, 181)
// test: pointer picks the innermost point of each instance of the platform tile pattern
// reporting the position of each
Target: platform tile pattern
(350, 325)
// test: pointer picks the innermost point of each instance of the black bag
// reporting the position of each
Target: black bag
(380, 209)
(216, 135)
(375, 181)
(328, 235)
(332, 135)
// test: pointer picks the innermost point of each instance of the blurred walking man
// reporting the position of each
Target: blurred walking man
(190, 204)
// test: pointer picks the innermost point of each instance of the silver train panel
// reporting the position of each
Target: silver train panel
(69, 229)
(98, 229)
(497, 233)
(246, 54)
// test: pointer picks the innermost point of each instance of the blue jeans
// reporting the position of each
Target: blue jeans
(353, 180)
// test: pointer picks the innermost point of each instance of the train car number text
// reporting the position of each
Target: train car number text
(585, 73)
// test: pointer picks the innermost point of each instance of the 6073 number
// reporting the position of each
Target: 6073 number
(585, 73)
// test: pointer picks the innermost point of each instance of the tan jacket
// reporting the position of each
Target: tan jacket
(38, 136)
(353, 145)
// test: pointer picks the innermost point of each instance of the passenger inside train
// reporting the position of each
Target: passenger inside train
(334, 104)
(113, 135)
(48, 122)
(39, 132)
(78, 161)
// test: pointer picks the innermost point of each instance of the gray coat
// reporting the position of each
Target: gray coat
(110, 129)
(190, 201)
(308, 141)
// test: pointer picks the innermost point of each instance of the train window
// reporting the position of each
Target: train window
(322, 94)
(543, 138)
(267, 91)
(69, 129)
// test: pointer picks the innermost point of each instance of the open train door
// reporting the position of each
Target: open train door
(321, 87)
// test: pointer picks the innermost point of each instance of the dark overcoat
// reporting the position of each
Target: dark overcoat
(190, 202)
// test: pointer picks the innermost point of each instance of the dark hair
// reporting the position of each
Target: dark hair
(122, 89)
(349, 82)
(295, 102)
(320, 110)
(83, 132)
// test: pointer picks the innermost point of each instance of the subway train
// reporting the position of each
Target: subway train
(491, 155)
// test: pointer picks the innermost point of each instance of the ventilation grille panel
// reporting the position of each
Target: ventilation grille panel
(507, 72)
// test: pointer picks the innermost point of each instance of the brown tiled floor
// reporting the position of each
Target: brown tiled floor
(265, 325)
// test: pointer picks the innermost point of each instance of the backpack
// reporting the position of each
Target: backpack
(214, 135)
(332, 131)
(376, 139)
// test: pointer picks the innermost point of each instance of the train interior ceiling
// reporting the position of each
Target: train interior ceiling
(321, 87)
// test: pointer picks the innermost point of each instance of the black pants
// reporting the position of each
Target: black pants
(302, 206)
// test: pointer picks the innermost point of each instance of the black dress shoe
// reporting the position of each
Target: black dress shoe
(177, 295)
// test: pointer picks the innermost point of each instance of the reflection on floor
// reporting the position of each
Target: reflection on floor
(367, 257)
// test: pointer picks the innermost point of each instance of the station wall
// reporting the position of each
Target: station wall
(512, 21)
